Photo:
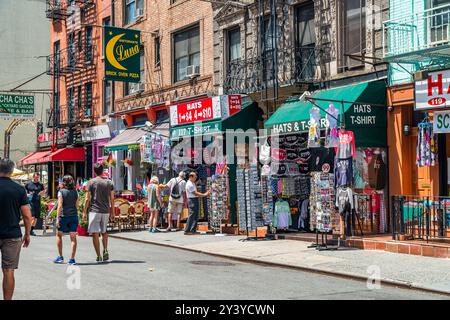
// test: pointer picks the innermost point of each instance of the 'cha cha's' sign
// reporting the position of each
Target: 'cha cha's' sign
(434, 91)
(122, 49)
(15, 106)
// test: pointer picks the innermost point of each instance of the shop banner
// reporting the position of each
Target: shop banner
(201, 110)
(124, 147)
(46, 139)
(196, 130)
(434, 91)
(95, 133)
(122, 48)
(231, 104)
(295, 126)
(13, 106)
(365, 115)
(441, 122)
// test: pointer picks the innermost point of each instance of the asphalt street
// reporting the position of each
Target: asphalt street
(144, 271)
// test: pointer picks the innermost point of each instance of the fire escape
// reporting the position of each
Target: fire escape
(70, 63)
(277, 59)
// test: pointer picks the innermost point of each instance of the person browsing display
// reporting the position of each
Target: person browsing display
(193, 203)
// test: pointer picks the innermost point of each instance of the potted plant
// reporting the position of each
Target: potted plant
(82, 228)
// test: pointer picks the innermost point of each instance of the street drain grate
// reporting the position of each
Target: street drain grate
(212, 263)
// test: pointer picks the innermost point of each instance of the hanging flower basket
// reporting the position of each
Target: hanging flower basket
(127, 162)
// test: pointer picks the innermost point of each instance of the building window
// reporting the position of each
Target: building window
(234, 44)
(186, 52)
(71, 105)
(131, 10)
(305, 38)
(88, 99)
(56, 55)
(88, 44)
(268, 50)
(80, 42)
(353, 33)
(157, 52)
(161, 115)
(71, 48)
(107, 21)
(79, 100)
(107, 97)
(140, 119)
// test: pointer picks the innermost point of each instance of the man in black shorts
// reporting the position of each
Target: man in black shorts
(35, 191)
(13, 204)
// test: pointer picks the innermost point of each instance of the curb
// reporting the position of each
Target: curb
(344, 275)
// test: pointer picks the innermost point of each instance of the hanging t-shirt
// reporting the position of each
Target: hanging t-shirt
(346, 148)
(282, 215)
(321, 160)
(377, 173)
(303, 161)
(314, 128)
(343, 170)
(332, 137)
(344, 197)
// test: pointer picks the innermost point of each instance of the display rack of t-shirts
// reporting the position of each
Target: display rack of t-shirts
(323, 215)
(217, 201)
(249, 199)
(344, 202)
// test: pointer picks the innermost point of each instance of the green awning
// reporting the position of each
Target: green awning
(363, 104)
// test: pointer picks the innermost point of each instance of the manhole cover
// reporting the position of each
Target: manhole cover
(213, 263)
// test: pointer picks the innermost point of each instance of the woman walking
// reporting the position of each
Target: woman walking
(154, 203)
(67, 217)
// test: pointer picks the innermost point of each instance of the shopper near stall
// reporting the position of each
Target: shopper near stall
(154, 203)
(35, 190)
(100, 195)
(193, 203)
(14, 203)
(67, 217)
(177, 187)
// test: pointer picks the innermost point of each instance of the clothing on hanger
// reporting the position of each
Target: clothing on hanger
(343, 170)
(346, 147)
(377, 173)
(282, 215)
(332, 138)
(314, 128)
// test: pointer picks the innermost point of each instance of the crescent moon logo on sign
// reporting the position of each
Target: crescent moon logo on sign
(110, 52)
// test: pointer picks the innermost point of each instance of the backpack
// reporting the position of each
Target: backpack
(175, 191)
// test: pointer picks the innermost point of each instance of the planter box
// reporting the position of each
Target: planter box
(82, 232)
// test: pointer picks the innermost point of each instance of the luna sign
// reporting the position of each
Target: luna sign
(122, 48)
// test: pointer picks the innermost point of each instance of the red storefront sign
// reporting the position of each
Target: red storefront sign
(231, 104)
(201, 110)
(48, 136)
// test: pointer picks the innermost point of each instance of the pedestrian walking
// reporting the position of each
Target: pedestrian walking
(100, 196)
(193, 204)
(67, 217)
(177, 187)
(35, 191)
(154, 203)
(14, 204)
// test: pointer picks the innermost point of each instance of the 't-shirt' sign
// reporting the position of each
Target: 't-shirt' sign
(434, 91)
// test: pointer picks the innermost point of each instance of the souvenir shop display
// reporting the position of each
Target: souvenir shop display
(217, 201)
(344, 203)
(282, 215)
(426, 145)
(331, 135)
(314, 128)
(323, 216)
(250, 206)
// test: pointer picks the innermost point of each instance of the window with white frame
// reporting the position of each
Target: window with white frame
(186, 52)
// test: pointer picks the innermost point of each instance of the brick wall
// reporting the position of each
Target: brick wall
(164, 19)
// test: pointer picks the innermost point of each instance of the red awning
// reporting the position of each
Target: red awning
(35, 158)
(66, 154)
(19, 162)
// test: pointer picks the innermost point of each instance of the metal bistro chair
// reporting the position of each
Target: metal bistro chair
(138, 215)
(124, 215)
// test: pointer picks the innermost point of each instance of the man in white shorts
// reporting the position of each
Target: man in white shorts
(100, 194)
(177, 187)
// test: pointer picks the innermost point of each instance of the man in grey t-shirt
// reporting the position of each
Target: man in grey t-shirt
(100, 195)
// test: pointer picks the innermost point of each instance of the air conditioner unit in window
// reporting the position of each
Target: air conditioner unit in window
(139, 12)
(141, 87)
(192, 71)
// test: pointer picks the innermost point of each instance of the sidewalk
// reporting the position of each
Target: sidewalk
(404, 270)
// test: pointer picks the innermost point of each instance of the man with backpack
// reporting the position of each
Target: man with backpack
(177, 187)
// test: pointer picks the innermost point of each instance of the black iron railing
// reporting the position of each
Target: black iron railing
(70, 60)
(420, 217)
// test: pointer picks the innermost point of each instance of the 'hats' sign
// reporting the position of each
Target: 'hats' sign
(122, 48)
